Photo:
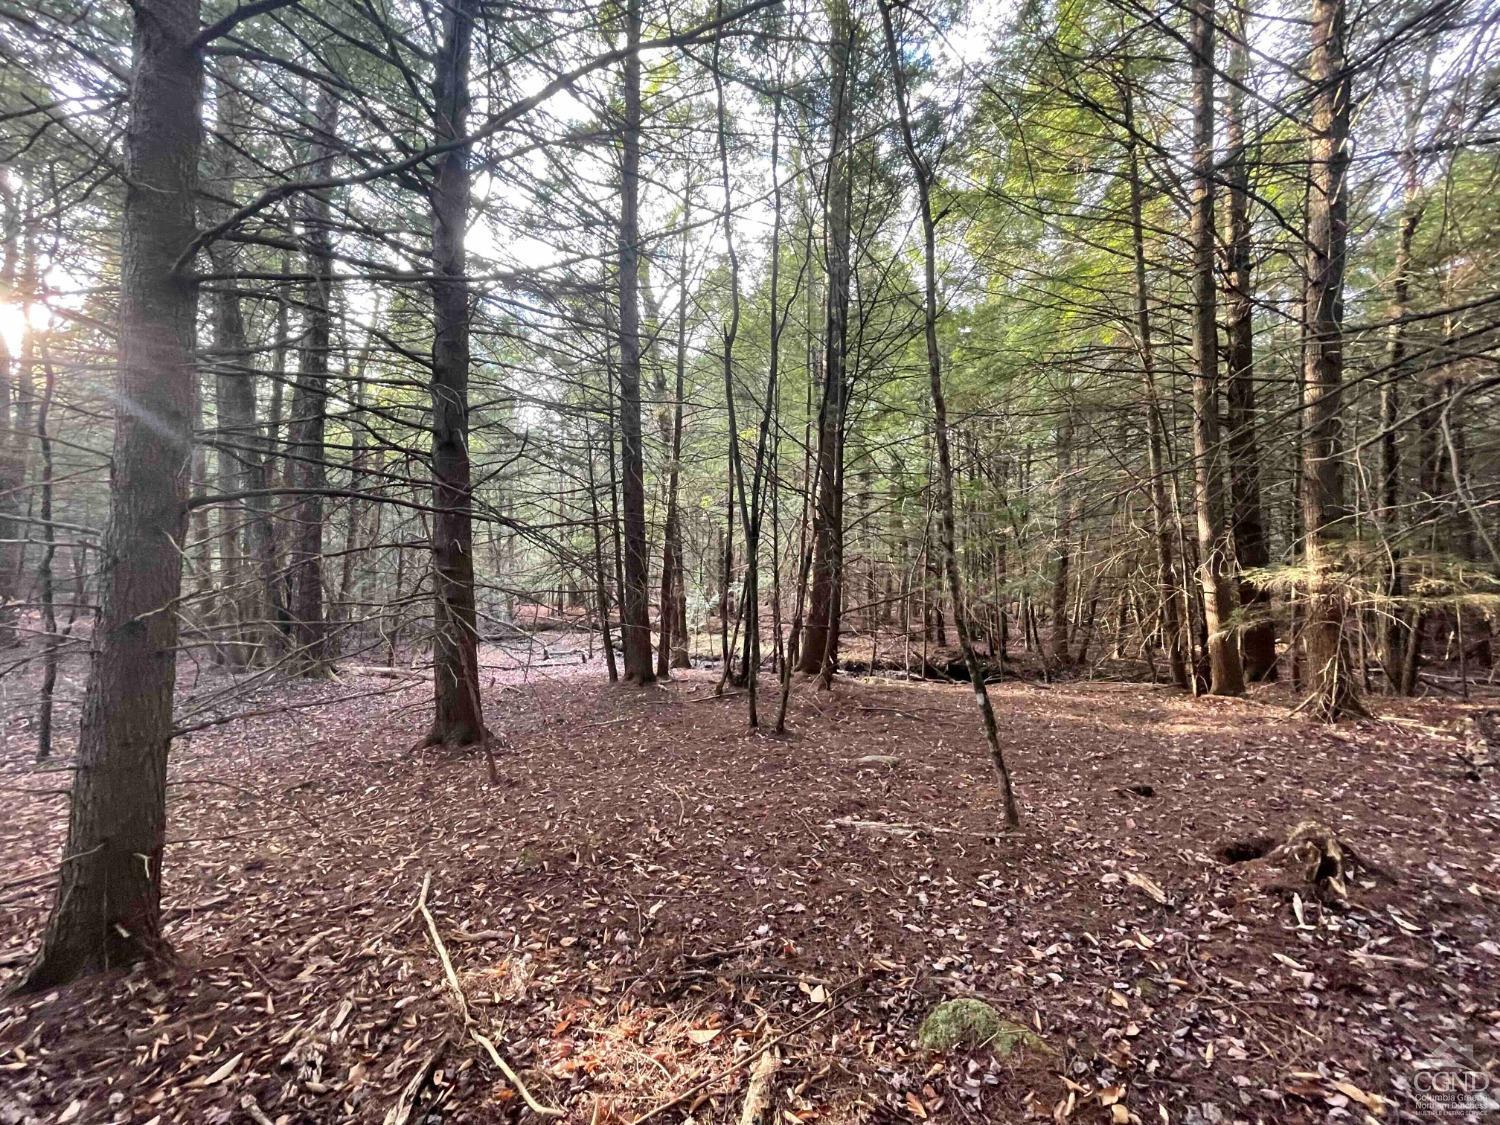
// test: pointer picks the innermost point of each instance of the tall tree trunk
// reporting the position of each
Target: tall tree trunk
(673, 652)
(749, 605)
(1174, 637)
(1062, 565)
(804, 549)
(764, 476)
(1247, 520)
(308, 471)
(265, 547)
(240, 458)
(13, 439)
(20, 438)
(726, 575)
(635, 622)
(457, 718)
(1400, 626)
(360, 455)
(1226, 675)
(46, 586)
(923, 175)
(601, 583)
(1002, 568)
(1326, 522)
(108, 907)
(618, 557)
(202, 593)
(820, 639)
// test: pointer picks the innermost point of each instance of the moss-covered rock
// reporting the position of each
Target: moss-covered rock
(973, 1023)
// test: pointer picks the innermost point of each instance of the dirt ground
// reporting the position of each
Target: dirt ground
(656, 903)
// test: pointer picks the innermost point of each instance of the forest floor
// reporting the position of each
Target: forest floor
(655, 900)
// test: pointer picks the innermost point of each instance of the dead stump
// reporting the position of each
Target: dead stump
(1311, 861)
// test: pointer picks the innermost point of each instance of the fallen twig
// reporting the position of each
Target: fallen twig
(462, 1001)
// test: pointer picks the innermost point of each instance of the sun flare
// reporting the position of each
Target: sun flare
(12, 326)
(15, 321)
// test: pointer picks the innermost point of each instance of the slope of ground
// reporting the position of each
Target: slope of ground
(656, 903)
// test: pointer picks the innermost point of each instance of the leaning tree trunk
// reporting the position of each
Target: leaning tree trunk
(457, 719)
(749, 603)
(1247, 520)
(635, 621)
(1326, 522)
(922, 173)
(308, 470)
(820, 634)
(1226, 676)
(108, 907)
(762, 476)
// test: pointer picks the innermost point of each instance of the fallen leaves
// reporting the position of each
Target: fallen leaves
(1336, 1092)
(633, 931)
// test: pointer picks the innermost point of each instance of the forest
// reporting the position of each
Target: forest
(752, 561)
